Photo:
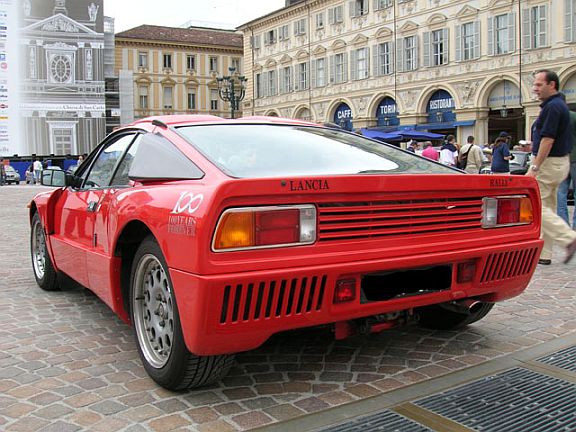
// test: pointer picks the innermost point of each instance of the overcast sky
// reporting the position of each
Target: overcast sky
(173, 13)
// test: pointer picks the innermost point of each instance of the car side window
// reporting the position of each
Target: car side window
(103, 168)
(121, 176)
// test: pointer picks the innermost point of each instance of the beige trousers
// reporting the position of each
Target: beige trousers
(552, 172)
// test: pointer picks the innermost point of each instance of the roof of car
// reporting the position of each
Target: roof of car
(183, 119)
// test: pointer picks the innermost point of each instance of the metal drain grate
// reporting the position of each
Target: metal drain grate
(517, 400)
(385, 421)
(565, 359)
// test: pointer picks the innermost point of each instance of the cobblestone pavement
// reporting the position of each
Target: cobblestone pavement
(68, 364)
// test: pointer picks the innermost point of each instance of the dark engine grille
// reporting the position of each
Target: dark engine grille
(373, 219)
(504, 265)
(272, 299)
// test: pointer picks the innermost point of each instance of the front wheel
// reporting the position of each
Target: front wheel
(44, 272)
(453, 316)
(158, 330)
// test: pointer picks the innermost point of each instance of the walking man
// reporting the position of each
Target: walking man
(552, 143)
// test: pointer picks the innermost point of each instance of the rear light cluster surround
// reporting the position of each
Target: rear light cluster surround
(505, 211)
(265, 227)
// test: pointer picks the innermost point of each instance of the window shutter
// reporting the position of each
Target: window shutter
(375, 60)
(354, 62)
(490, 36)
(391, 57)
(416, 52)
(544, 24)
(282, 85)
(332, 70)
(512, 32)
(445, 46)
(526, 33)
(399, 55)
(459, 43)
(345, 73)
(313, 74)
(331, 18)
(353, 8)
(376, 5)
(569, 21)
(427, 49)
(476, 50)
(265, 84)
(367, 62)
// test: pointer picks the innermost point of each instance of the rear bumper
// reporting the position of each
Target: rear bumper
(237, 312)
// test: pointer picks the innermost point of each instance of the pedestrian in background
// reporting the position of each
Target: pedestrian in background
(552, 145)
(500, 157)
(472, 155)
(37, 166)
(2, 173)
(430, 152)
(449, 151)
(564, 187)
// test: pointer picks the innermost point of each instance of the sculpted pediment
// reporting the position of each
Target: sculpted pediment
(498, 3)
(270, 63)
(436, 18)
(409, 26)
(360, 40)
(467, 11)
(59, 23)
(286, 59)
(301, 55)
(384, 32)
(319, 50)
(257, 67)
(338, 44)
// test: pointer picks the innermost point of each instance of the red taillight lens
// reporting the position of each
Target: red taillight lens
(277, 227)
(345, 290)
(506, 211)
(261, 227)
(466, 271)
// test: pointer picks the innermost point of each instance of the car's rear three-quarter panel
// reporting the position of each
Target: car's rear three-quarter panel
(402, 238)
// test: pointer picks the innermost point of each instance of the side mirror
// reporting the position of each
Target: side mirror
(53, 178)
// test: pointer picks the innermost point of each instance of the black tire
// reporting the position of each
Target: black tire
(449, 317)
(44, 272)
(157, 327)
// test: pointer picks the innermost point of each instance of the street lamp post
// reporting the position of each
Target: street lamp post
(232, 89)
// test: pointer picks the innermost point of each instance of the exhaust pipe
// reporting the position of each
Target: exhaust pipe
(467, 306)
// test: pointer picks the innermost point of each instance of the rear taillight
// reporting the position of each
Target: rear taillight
(265, 227)
(506, 211)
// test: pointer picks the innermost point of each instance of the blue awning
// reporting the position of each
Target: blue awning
(465, 123)
(381, 135)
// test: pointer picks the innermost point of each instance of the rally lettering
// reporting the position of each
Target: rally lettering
(305, 185)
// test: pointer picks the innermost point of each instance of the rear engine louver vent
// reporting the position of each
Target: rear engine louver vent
(272, 299)
(504, 265)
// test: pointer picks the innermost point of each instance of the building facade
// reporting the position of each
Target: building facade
(166, 70)
(447, 66)
(62, 76)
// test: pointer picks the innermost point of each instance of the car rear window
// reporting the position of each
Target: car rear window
(249, 150)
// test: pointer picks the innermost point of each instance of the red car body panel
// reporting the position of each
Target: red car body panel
(234, 301)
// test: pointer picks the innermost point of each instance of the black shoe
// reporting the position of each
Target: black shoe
(544, 261)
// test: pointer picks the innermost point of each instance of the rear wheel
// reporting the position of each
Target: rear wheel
(158, 330)
(450, 316)
(44, 272)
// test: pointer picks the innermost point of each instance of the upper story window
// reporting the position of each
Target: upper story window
(272, 83)
(468, 41)
(535, 27)
(213, 64)
(214, 103)
(570, 20)
(319, 70)
(303, 76)
(167, 97)
(143, 60)
(358, 8)
(259, 86)
(360, 63)
(270, 37)
(501, 34)
(436, 48)
(300, 27)
(339, 68)
(190, 62)
(143, 97)
(284, 33)
(407, 54)
(255, 42)
(382, 4)
(336, 15)
(191, 99)
(236, 65)
(286, 79)
(383, 59)
(320, 20)
(167, 61)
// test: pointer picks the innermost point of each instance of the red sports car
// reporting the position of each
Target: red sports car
(211, 235)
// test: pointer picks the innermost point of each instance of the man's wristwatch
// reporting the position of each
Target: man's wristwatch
(534, 168)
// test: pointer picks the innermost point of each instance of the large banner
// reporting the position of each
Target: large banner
(9, 137)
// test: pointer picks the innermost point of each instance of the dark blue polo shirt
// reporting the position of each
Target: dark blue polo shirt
(553, 122)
